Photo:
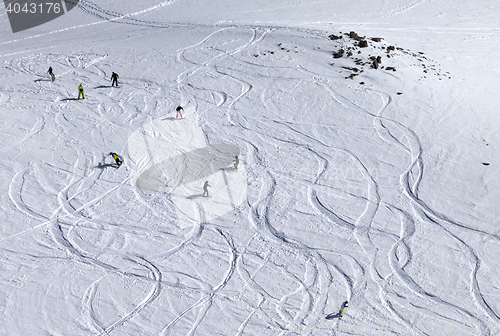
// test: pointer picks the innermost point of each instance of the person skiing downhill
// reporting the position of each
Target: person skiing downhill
(114, 78)
(179, 110)
(342, 307)
(236, 162)
(205, 188)
(117, 159)
(80, 91)
(51, 74)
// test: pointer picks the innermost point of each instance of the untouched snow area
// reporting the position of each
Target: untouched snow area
(376, 186)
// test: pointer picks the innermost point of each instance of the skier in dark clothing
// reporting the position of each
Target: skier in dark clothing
(179, 110)
(51, 74)
(114, 78)
(342, 307)
(117, 159)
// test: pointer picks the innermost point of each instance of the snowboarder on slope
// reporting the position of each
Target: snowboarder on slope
(114, 78)
(342, 307)
(51, 74)
(117, 159)
(80, 91)
(236, 162)
(179, 110)
(205, 188)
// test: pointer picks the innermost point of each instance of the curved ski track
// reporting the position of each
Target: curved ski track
(360, 228)
(313, 290)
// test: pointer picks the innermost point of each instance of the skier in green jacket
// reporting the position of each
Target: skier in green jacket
(80, 91)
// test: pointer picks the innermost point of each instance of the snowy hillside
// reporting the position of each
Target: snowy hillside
(367, 170)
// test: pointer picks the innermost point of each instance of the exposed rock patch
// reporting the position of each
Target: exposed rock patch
(351, 44)
(339, 54)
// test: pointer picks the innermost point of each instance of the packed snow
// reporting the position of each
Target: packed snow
(350, 148)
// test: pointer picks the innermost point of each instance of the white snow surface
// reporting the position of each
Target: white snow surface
(375, 186)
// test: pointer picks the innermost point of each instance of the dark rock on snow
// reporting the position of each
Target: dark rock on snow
(339, 54)
(355, 36)
(376, 61)
(334, 37)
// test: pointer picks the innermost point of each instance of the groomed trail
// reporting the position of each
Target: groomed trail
(331, 177)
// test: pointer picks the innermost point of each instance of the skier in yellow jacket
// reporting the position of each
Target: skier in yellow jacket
(80, 91)
(117, 158)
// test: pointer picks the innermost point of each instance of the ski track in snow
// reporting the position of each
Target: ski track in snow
(75, 198)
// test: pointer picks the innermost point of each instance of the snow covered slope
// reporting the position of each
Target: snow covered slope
(372, 183)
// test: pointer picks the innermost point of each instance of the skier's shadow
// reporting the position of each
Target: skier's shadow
(195, 196)
(172, 118)
(66, 99)
(332, 316)
(42, 80)
(102, 87)
(106, 165)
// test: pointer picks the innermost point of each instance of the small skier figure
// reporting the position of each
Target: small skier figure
(236, 162)
(342, 307)
(114, 78)
(179, 110)
(80, 91)
(205, 188)
(51, 74)
(117, 159)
